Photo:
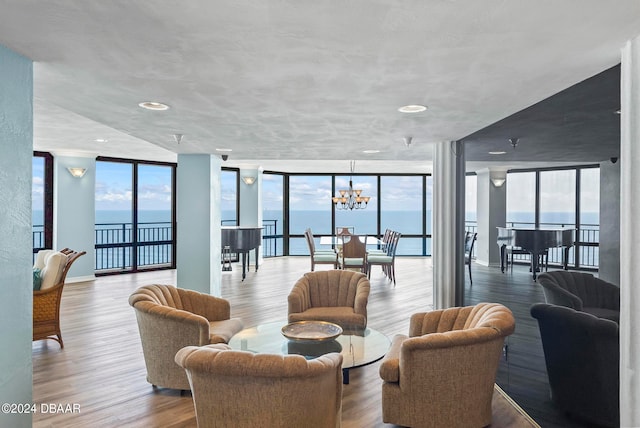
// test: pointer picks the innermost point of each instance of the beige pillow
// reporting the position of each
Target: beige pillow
(52, 270)
(41, 258)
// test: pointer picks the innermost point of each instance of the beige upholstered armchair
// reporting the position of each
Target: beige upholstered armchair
(443, 373)
(50, 272)
(242, 389)
(171, 318)
(338, 296)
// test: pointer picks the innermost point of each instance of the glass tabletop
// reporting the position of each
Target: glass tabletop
(358, 347)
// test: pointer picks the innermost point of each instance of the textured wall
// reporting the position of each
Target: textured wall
(16, 283)
(609, 262)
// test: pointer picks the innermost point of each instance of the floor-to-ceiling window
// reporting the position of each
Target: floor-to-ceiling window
(362, 221)
(558, 198)
(273, 214)
(309, 207)
(398, 202)
(401, 209)
(521, 199)
(42, 201)
(135, 215)
(229, 183)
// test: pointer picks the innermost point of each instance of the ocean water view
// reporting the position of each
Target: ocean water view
(364, 221)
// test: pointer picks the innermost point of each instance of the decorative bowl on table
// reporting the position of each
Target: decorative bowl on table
(311, 331)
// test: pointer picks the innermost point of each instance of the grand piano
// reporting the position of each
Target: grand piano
(536, 241)
(241, 240)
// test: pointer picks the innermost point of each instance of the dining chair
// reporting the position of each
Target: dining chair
(469, 240)
(386, 261)
(354, 252)
(318, 257)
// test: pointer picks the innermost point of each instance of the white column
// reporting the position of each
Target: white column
(492, 213)
(251, 202)
(198, 260)
(630, 236)
(16, 294)
(74, 208)
(448, 224)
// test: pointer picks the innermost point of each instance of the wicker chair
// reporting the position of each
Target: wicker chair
(443, 373)
(244, 390)
(54, 266)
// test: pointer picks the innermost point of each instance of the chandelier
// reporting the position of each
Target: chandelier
(350, 198)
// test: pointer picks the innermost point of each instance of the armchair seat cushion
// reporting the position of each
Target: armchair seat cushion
(353, 261)
(341, 315)
(222, 331)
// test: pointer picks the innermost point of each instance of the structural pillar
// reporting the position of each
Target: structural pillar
(251, 202)
(16, 254)
(198, 260)
(630, 235)
(74, 207)
(448, 224)
(492, 213)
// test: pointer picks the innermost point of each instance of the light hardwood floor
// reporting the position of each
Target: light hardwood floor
(102, 369)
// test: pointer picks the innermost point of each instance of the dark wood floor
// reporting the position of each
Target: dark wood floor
(101, 367)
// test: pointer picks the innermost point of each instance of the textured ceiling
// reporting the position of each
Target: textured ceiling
(295, 85)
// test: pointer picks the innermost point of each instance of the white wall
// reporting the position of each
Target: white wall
(74, 212)
(16, 280)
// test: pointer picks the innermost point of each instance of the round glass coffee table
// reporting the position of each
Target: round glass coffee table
(358, 347)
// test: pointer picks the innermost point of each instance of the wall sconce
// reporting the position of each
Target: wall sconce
(248, 180)
(498, 182)
(77, 172)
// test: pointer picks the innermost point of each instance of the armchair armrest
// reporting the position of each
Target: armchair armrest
(390, 366)
(361, 299)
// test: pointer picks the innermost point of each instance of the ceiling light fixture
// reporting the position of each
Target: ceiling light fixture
(350, 199)
(514, 142)
(498, 153)
(224, 150)
(369, 152)
(408, 140)
(152, 105)
(248, 180)
(412, 108)
(101, 140)
(77, 172)
(178, 138)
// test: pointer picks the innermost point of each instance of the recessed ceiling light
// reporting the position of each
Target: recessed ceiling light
(152, 105)
(497, 153)
(224, 150)
(370, 151)
(412, 108)
(101, 140)
(618, 111)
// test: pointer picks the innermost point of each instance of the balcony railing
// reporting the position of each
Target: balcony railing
(114, 246)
